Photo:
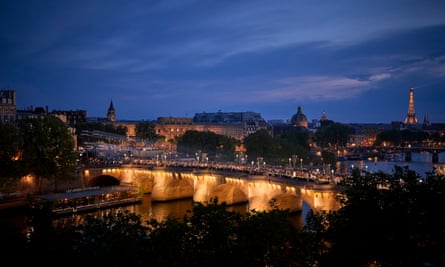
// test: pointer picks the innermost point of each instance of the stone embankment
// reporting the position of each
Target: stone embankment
(12, 203)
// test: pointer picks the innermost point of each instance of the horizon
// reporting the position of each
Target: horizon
(421, 120)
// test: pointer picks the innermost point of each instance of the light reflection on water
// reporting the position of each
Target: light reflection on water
(420, 163)
(160, 211)
(13, 224)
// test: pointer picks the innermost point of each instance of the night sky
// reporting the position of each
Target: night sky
(354, 60)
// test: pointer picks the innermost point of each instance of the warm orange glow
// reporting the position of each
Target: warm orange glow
(28, 179)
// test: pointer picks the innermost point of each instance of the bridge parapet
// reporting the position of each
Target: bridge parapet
(259, 191)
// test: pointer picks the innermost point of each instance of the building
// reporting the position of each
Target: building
(299, 119)
(111, 113)
(71, 117)
(233, 124)
(8, 106)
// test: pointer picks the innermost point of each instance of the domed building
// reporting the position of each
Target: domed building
(324, 117)
(299, 119)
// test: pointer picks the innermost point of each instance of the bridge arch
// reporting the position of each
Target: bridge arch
(229, 194)
(165, 184)
(103, 180)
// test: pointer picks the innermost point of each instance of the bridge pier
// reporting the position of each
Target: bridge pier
(434, 153)
(408, 156)
(435, 157)
(232, 188)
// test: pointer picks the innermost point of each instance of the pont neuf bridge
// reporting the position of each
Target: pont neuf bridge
(231, 187)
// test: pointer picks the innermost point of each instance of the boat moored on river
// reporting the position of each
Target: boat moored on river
(88, 199)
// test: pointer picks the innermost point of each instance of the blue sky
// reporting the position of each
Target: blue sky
(354, 60)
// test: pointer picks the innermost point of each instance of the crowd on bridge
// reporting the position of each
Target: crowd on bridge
(316, 174)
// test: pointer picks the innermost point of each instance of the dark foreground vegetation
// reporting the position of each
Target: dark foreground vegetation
(385, 220)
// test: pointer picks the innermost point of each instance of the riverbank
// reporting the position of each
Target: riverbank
(13, 203)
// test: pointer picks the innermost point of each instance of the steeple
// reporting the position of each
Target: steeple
(426, 122)
(111, 113)
(411, 118)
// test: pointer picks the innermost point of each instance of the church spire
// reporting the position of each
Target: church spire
(111, 113)
(411, 118)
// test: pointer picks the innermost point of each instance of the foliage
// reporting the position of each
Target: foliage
(392, 137)
(294, 142)
(10, 164)
(48, 148)
(100, 126)
(277, 149)
(146, 130)
(333, 135)
(397, 137)
(216, 146)
(386, 220)
(210, 236)
(328, 157)
(260, 144)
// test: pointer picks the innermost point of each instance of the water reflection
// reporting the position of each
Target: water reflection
(420, 163)
(160, 211)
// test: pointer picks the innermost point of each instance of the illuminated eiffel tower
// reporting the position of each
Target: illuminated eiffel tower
(411, 118)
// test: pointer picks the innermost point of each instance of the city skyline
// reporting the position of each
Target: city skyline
(354, 61)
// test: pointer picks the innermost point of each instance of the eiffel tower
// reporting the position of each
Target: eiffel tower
(411, 118)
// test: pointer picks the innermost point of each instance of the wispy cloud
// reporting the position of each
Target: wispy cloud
(125, 36)
(323, 88)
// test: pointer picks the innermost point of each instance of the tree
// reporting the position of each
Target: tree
(391, 137)
(294, 142)
(146, 130)
(260, 144)
(48, 149)
(209, 236)
(99, 126)
(11, 168)
(386, 220)
(397, 137)
(333, 134)
(215, 145)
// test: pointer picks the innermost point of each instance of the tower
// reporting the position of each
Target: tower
(411, 118)
(111, 113)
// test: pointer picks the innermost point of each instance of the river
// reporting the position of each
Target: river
(13, 223)
(160, 211)
(420, 163)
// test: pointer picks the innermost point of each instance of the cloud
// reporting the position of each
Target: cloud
(380, 76)
(128, 36)
(313, 88)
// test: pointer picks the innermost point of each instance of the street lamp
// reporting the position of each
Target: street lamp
(290, 162)
(301, 164)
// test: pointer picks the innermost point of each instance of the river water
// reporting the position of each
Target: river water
(420, 163)
(13, 223)
(160, 211)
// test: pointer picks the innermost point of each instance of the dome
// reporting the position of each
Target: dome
(324, 117)
(299, 119)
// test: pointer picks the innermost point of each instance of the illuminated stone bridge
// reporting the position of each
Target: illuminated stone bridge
(259, 191)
